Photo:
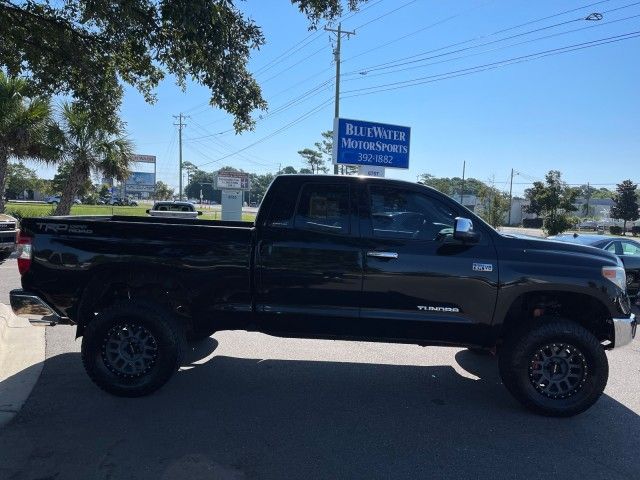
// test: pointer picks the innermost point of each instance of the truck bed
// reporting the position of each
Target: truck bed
(207, 261)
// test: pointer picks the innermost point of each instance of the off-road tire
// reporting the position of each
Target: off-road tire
(168, 340)
(517, 361)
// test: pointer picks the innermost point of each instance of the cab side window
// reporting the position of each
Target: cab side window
(323, 208)
(281, 212)
(615, 247)
(402, 214)
(630, 248)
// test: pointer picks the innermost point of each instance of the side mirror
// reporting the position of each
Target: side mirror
(148, 210)
(199, 212)
(463, 230)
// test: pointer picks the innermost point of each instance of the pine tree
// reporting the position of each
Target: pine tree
(625, 205)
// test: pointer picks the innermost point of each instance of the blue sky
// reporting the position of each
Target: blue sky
(578, 112)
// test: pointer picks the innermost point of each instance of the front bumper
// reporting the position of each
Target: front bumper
(31, 307)
(7, 245)
(624, 330)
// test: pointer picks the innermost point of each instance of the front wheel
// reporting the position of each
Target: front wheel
(555, 367)
(132, 348)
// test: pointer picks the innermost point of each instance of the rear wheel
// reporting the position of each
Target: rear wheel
(132, 348)
(555, 367)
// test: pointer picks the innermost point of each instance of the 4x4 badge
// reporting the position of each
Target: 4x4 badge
(483, 267)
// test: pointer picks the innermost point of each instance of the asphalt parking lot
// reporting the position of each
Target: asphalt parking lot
(252, 406)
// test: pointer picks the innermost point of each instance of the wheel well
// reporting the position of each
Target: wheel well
(583, 309)
(107, 287)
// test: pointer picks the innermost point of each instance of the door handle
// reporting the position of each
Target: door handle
(382, 254)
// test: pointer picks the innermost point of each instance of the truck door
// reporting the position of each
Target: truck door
(309, 259)
(418, 281)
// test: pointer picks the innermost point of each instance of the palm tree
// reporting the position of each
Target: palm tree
(27, 130)
(89, 146)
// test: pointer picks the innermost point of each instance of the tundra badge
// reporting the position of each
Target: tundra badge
(430, 308)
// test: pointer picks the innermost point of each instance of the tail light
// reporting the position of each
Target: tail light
(24, 252)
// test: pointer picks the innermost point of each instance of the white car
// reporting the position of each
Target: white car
(174, 210)
(56, 200)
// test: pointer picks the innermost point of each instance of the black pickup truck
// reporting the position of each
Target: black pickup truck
(332, 258)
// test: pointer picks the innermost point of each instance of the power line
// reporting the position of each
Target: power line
(435, 24)
(282, 108)
(227, 147)
(398, 62)
(490, 50)
(307, 41)
(489, 66)
(315, 52)
(291, 51)
(276, 132)
(287, 54)
(386, 14)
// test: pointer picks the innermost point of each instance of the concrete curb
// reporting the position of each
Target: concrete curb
(22, 354)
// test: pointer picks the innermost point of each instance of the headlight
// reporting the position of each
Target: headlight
(617, 275)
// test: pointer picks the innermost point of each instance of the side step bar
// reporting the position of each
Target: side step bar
(31, 307)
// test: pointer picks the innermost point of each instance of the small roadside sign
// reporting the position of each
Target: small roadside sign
(226, 180)
(371, 171)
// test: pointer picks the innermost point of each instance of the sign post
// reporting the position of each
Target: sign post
(233, 185)
(371, 146)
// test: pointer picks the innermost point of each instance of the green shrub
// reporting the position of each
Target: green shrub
(557, 224)
(615, 230)
(532, 223)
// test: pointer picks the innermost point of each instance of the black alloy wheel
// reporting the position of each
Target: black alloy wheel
(129, 350)
(558, 370)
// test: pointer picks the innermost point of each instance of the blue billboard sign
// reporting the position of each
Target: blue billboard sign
(140, 182)
(357, 142)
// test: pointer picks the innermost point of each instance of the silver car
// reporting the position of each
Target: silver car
(8, 234)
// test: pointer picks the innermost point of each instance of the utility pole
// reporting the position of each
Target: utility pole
(510, 196)
(464, 166)
(513, 172)
(588, 199)
(336, 53)
(180, 125)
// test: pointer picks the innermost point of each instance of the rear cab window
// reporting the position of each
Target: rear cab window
(321, 207)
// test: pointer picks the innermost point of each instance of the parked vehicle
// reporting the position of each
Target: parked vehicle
(174, 210)
(588, 225)
(355, 258)
(56, 200)
(8, 234)
(627, 249)
(122, 202)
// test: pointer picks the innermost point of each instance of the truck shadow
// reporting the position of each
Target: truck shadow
(251, 418)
